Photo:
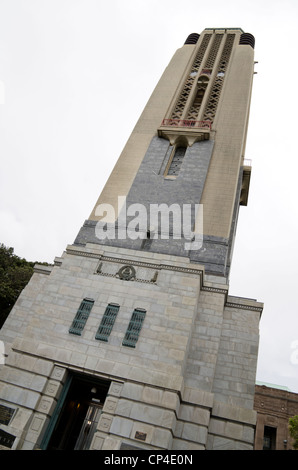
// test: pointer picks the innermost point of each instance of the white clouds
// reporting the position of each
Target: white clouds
(72, 70)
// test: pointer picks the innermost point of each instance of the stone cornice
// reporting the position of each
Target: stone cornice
(43, 269)
(143, 264)
(255, 308)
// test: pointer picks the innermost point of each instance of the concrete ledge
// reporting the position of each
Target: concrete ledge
(42, 269)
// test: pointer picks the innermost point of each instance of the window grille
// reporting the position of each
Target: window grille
(134, 328)
(107, 322)
(81, 317)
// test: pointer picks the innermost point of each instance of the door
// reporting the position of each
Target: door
(78, 415)
(89, 426)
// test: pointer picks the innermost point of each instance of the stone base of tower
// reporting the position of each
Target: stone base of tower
(186, 383)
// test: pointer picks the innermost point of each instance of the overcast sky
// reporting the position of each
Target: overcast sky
(75, 76)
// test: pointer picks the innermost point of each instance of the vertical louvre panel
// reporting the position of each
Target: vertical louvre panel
(182, 100)
(214, 96)
(134, 328)
(81, 317)
(107, 322)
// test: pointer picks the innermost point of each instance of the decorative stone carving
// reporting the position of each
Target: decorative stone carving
(128, 273)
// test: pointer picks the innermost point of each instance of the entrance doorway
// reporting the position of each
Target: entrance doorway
(77, 413)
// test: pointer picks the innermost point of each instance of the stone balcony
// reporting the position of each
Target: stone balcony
(192, 131)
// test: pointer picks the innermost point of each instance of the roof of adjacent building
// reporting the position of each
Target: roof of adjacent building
(279, 387)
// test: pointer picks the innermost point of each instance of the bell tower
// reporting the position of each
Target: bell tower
(187, 149)
(132, 340)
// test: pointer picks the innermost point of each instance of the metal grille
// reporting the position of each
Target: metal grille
(81, 317)
(107, 322)
(134, 328)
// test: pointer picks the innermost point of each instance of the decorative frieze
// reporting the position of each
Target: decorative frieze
(126, 272)
(244, 307)
(126, 262)
(143, 271)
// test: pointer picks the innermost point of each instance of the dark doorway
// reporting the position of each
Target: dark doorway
(269, 438)
(80, 411)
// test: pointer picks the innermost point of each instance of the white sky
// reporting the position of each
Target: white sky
(74, 78)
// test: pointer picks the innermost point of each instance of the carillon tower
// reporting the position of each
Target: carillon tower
(188, 148)
(131, 340)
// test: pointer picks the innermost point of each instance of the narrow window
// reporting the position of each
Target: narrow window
(107, 322)
(176, 162)
(134, 328)
(81, 317)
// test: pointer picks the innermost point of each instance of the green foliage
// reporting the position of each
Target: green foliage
(15, 273)
(293, 429)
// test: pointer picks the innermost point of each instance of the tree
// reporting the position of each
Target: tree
(15, 273)
(293, 429)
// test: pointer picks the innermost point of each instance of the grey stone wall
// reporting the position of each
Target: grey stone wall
(188, 383)
(151, 187)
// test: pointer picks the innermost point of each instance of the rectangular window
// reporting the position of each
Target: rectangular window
(269, 438)
(134, 328)
(107, 322)
(81, 317)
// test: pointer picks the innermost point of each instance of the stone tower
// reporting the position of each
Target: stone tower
(131, 340)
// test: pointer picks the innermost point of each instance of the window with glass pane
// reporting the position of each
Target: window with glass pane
(107, 322)
(134, 328)
(81, 317)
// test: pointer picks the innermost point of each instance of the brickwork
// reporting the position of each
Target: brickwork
(274, 407)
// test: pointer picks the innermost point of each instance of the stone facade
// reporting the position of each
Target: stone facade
(192, 368)
(174, 366)
(151, 187)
